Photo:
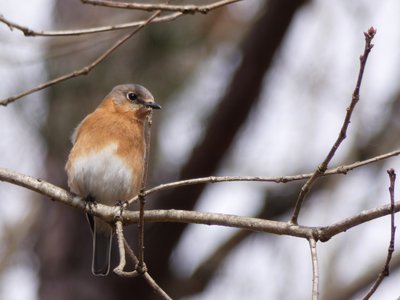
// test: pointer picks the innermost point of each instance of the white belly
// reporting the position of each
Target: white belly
(102, 175)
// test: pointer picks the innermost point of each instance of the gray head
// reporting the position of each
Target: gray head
(134, 95)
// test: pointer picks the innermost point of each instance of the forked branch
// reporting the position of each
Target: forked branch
(321, 169)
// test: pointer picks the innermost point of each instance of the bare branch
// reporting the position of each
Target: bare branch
(323, 233)
(142, 199)
(61, 195)
(83, 71)
(130, 253)
(42, 187)
(119, 270)
(30, 32)
(109, 214)
(343, 131)
(185, 9)
(385, 271)
(179, 11)
(156, 287)
(315, 268)
(277, 179)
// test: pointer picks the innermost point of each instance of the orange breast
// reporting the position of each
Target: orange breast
(122, 135)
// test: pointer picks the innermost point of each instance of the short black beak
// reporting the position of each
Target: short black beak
(153, 105)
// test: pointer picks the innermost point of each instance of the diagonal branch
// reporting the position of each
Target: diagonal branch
(185, 9)
(343, 131)
(385, 271)
(83, 71)
(122, 245)
(119, 270)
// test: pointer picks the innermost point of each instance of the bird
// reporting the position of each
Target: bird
(106, 161)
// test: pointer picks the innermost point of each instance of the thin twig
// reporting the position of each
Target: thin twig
(44, 33)
(83, 71)
(132, 255)
(276, 179)
(385, 270)
(142, 197)
(179, 10)
(186, 9)
(156, 287)
(45, 188)
(119, 270)
(315, 269)
(141, 266)
(343, 131)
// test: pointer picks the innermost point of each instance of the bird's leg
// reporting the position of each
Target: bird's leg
(122, 205)
(90, 201)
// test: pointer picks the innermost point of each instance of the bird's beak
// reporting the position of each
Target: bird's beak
(153, 105)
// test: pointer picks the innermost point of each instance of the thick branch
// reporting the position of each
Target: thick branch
(110, 214)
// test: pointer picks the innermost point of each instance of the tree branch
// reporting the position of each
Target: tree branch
(109, 214)
(122, 245)
(185, 9)
(315, 269)
(385, 271)
(142, 196)
(343, 131)
(277, 179)
(44, 33)
(119, 270)
(83, 71)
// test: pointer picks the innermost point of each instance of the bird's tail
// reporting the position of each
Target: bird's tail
(101, 247)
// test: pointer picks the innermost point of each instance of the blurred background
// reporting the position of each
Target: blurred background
(256, 88)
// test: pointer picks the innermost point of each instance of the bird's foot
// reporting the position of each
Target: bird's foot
(90, 202)
(122, 205)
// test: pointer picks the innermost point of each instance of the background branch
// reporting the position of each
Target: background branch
(163, 7)
(83, 71)
(344, 169)
(62, 33)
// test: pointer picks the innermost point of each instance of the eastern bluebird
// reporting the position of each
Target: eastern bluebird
(106, 162)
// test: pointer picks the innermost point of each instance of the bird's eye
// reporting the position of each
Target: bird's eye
(131, 96)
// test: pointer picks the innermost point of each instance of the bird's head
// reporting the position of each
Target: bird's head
(132, 98)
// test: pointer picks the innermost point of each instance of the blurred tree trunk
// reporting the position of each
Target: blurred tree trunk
(65, 242)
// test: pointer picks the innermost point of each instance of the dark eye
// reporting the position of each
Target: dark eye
(131, 96)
